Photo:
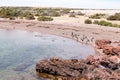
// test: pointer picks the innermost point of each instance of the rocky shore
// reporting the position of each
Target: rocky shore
(105, 66)
(86, 34)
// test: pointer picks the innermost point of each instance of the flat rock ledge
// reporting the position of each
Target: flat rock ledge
(105, 66)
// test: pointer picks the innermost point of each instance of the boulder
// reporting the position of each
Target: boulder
(101, 43)
(116, 49)
(111, 50)
(107, 49)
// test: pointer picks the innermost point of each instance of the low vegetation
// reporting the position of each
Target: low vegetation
(44, 18)
(88, 21)
(80, 13)
(65, 11)
(29, 16)
(72, 15)
(29, 13)
(114, 17)
(52, 12)
(97, 16)
(102, 23)
(105, 23)
(7, 13)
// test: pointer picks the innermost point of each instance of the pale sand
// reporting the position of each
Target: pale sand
(78, 19)
(65, 28)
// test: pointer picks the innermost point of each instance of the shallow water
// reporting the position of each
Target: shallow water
(20, 50)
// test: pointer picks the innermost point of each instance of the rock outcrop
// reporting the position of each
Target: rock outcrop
(92, 68)
(108, 47)
(100, 43)
(111, 50)
(103, 67)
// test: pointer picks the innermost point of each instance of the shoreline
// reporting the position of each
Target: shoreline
(80, 34)
(85, 34)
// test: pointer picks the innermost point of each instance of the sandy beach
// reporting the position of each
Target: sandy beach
(84, 33)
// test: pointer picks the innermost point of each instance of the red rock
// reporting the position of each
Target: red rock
(116, 50)
(90, 59)
(111, 50)
(101, 43)
(114, 59)
(119, 44)
(80, 68)
(54, 59)
(108, 49)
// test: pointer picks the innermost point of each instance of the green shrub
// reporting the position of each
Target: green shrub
(115, 25)
(105, 23)
(111, 18)
(44, 18)
(7, 13)
(97, 16)
(50, 13)
(114, 17)
(55, 14)
(30, 17)
(37, 14)
(88, 21)
(72, 15)
(65, 11)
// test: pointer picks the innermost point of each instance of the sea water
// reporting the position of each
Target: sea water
(20, 50)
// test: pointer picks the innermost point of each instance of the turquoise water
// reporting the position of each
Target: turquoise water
(20, 50)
